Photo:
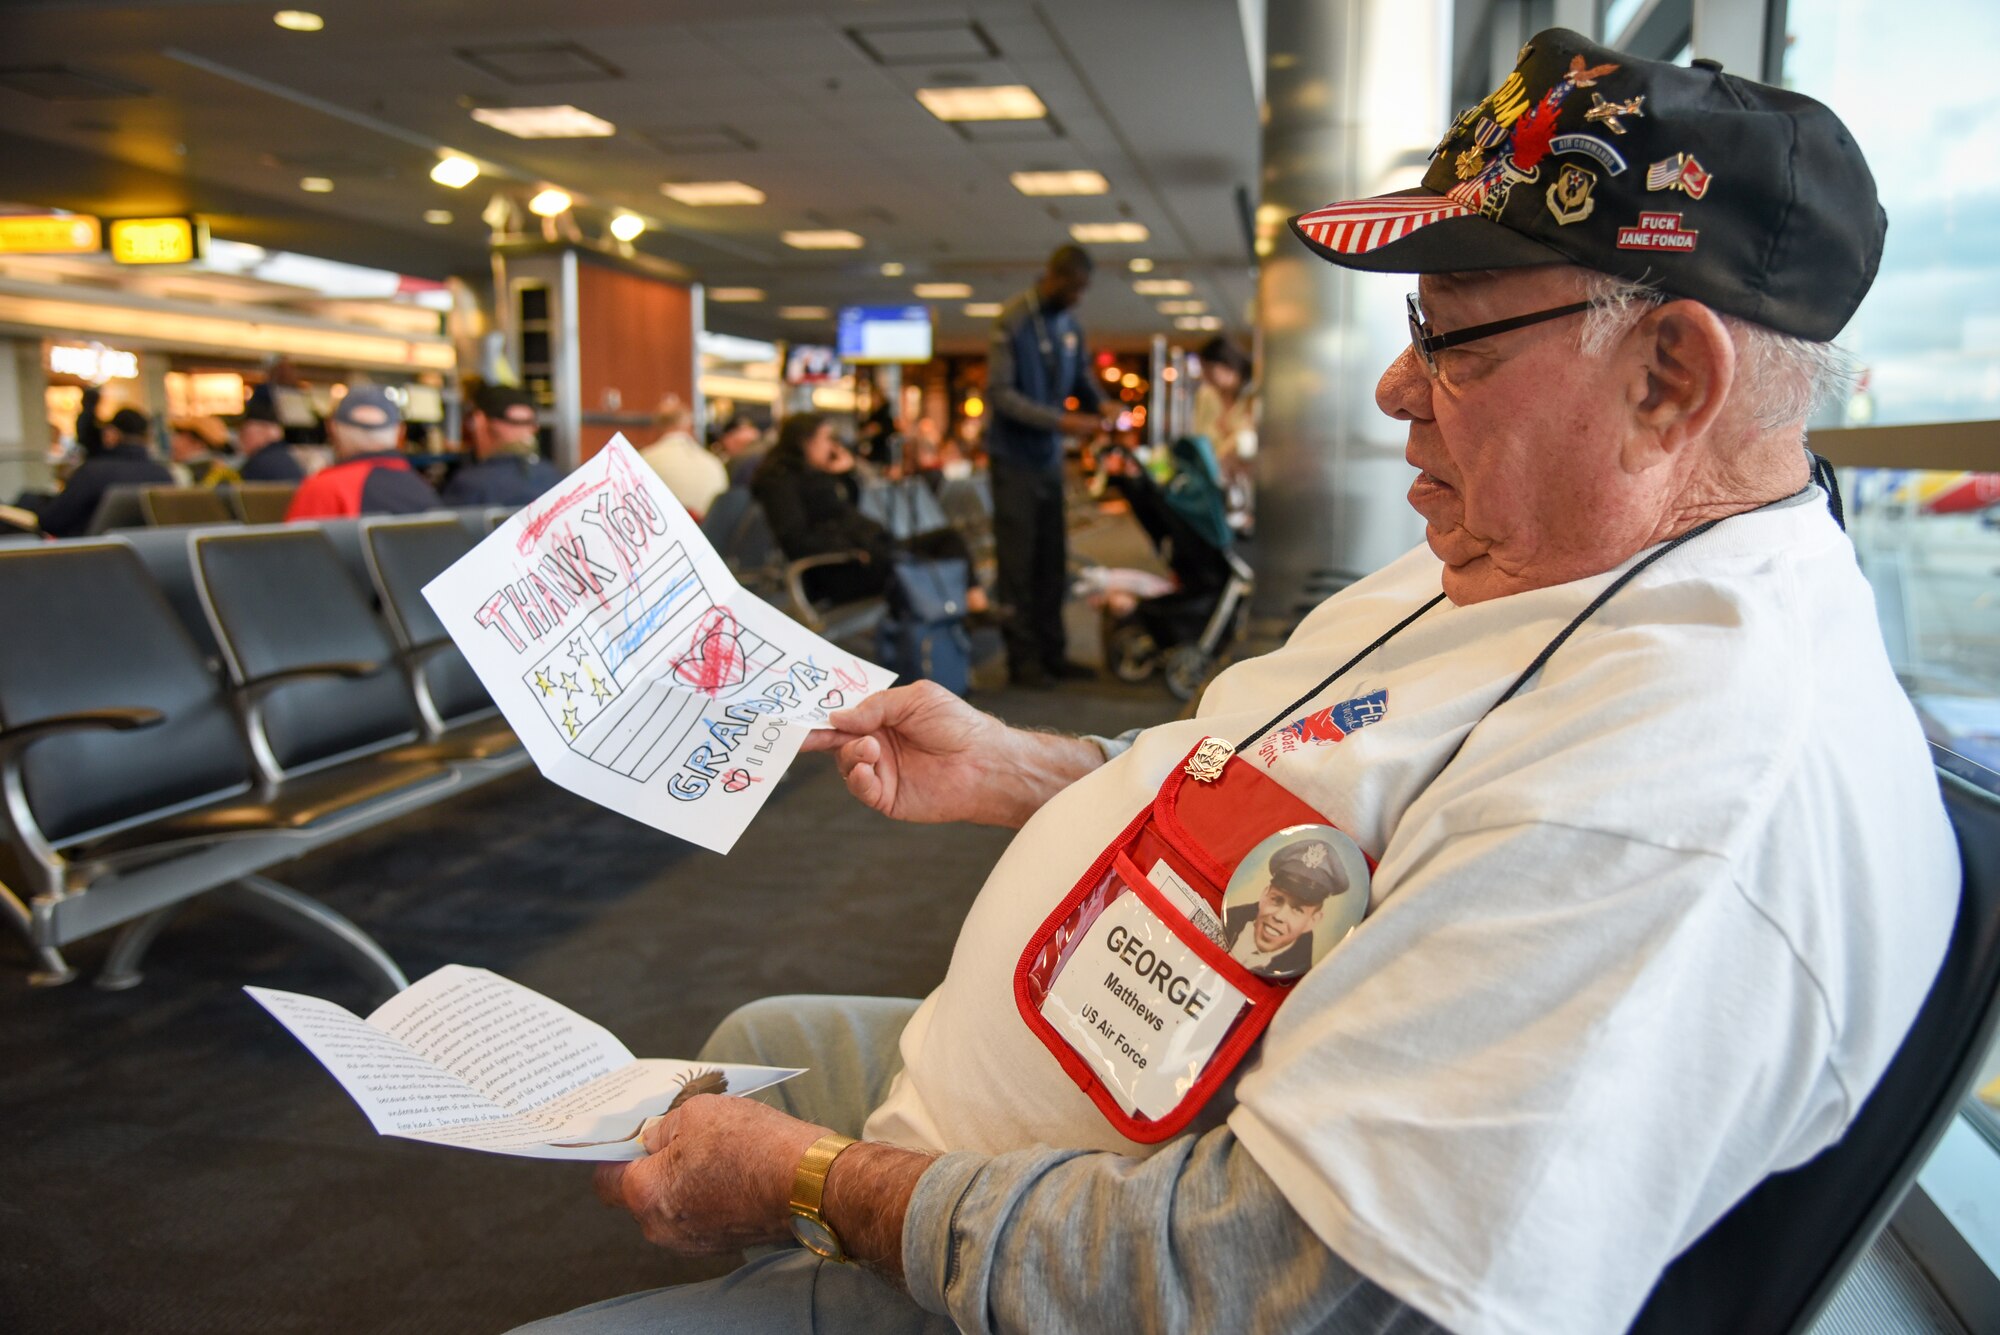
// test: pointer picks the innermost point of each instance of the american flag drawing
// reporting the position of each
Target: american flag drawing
(1358, 226)
(1679, 172)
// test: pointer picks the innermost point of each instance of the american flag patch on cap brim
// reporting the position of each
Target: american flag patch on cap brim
(1357, 226)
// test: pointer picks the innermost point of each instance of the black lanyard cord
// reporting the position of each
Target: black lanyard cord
(1336, 674)
(1541, 659)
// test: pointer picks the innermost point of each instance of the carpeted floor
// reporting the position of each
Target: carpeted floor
(178, 1163)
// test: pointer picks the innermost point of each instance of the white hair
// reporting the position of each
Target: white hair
(353, 439)
(1783, 378)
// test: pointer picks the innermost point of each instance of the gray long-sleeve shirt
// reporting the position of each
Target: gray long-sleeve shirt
(1195, 1237)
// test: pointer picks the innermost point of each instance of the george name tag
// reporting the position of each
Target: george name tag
(1137, 1003)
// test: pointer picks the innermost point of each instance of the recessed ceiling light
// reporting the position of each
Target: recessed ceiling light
(549, 202)
(1108, 233)
(735, 294)
(563, 122)
(826, 239)
(1197, 322)
(1060, 183)
(627, 226)
(892, 270)
(455, 171)
(706, 193)
(437, 217)
(1163, 287)
(298, 20)
(943, 291)
(1183, 307)
(982, 309)
(802, 312)
(317, 185)
(1004, 102)
(1140, 265)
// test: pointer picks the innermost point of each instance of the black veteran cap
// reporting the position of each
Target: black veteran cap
(1751, 199)
(1308, 871)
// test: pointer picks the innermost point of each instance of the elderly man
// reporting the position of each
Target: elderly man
(1661, 870)
(691, 473)
(508, 467)
(369, 475)
(261, 437)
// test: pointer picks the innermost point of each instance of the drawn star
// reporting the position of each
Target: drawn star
(571, 722)
(576, 649)
(598, 688)
(569, 683)
(542, 680)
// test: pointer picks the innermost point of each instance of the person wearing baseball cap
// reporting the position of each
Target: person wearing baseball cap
(261, 438)
(1662, 873)
(507, 467)
(1273, 937)
(122, 457)
(369, 475)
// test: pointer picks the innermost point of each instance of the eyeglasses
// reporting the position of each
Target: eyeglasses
(1429, 344)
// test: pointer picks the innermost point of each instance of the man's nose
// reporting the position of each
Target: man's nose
(1404, 391)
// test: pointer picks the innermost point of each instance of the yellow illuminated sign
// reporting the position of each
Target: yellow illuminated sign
(157, 240)
(49, 234)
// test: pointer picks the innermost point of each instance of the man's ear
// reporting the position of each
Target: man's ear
(1686, 366)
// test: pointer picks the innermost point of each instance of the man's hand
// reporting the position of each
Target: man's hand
(919, 753)
(717, 1178)
(1082, 424)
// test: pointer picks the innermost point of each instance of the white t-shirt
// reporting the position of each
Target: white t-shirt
(1652, 935)
(692, 474)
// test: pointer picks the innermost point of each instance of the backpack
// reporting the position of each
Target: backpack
(923, 635)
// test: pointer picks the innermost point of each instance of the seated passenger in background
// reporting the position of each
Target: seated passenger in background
(200, 449)
(122, 457)
(508, 467)
(1662, 872)
(691, 473)
(369, 475)
(740, 447)
(810, 494)
(261, 439)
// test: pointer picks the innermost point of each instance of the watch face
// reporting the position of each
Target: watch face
(816, 1237)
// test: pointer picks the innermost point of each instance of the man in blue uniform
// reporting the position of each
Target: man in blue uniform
(372, 477)
(122, 458)
(1036, 362)
(509, 468)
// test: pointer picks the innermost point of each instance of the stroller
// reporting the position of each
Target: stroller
(1181, 634)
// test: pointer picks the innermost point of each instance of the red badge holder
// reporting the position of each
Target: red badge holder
(1163, 969)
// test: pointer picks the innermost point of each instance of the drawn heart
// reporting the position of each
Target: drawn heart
(713, 663)
(832, 700)
(735, 781)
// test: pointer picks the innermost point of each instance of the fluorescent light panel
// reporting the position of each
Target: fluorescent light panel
(564, 122)
(706, 194)
(734, 294)
(982, 309)
(826, 239)
(1003, 102)
(627, 226)
(1111, 233)
(802, 312)
(1060, 183)
(943, 291)
(550, 202)
(455, 172)
(1183, 307)
(1163, 287)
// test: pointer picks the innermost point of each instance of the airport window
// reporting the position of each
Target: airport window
(1927, 343)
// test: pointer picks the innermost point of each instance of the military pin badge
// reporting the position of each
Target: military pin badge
(1569, 197)
(1205, 765)
(1607, 114)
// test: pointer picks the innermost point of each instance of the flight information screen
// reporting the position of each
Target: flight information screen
(885, 333)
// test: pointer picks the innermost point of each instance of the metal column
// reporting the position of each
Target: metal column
(1356, 96)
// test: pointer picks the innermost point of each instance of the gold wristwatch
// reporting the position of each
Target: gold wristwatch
(809, 1191)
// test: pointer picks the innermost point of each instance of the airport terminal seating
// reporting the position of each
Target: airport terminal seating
(119, 507)
(259, 502)
(1771, 1264)
(134, 777)
(735, 526)
(165, 506)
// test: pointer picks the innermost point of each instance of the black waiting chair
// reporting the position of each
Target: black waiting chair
(167, 554)
(165, 506)
(403, 556)
(128, 785)
(118, 508)
(1770, 1265)
(261, 502)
